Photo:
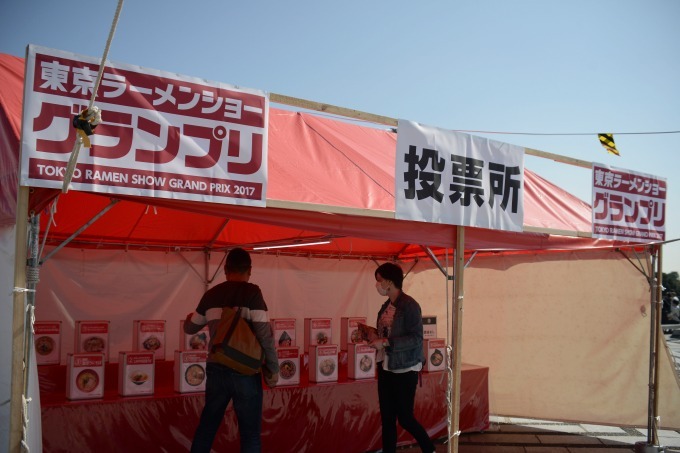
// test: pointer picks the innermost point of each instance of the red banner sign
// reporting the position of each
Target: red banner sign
(162, 135)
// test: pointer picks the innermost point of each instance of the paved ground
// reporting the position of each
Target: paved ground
(521, 435)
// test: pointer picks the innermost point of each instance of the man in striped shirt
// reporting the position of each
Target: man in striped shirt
(224, 384)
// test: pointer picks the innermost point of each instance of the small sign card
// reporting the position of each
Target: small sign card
(149, 335)
(349, 331)
(435, 354)
(429, 327)
(284, 332)
(190, 371)
(92, 336)
(135, 373)
(360, 361)
(323, 363)
(47, 339)
(289, 366)
(194, 342)
(317, 331)
(84, 376)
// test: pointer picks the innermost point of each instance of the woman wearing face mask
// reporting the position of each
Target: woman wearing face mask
(399, 353)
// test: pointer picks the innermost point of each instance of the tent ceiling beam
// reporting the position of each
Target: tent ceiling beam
(556, 232)
(639, 266)
(415, 263)
(219, 266)
(217, 233)
(403, 249)
(81, 229)
(472, 257)
(298, 240)
(332, 109)
(328, 209)
(435, 260)
(179, 253)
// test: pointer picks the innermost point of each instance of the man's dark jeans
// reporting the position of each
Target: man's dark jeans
(222, 386)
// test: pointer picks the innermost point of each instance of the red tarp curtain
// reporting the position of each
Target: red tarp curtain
(304, 418)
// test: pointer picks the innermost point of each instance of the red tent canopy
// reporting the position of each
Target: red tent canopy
(326, 178)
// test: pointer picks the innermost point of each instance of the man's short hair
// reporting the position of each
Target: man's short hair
(238, 260)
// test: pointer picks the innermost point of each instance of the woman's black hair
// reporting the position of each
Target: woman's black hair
(391, 272)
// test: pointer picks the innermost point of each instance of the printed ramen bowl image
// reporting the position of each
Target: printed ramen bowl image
(94, 344)
(321, 338)
(152, 343)
(198, 341)
(87, 380)
(44, 345)
(327, 366)
(138, 377)
(356, 336)
(285, 339)
(194, 375)
(366, 363)
(287, 369)
(436, 358)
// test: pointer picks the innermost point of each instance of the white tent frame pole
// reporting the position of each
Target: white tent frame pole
(85, 226)
(457, 335)
(653, 424)
(18, 319)
(206, 270)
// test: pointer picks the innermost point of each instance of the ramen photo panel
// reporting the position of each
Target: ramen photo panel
(92, 336)
(317, 332)
(189, 371)
(323, 363)
(85, 376)
(149, 335)
(136, 373)
(47, 340)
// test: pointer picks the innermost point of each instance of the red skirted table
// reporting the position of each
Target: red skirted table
(342, 416)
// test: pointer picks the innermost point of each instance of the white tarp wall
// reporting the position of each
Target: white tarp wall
(7, 240)
(124, 286)
(564, 335)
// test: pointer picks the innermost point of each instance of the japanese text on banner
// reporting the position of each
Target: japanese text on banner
(628, 205)
(162, 134)
(458, 179)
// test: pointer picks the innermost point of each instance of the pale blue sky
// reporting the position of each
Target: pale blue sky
(579, 66)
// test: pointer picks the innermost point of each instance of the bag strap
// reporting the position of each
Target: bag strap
(234, 321)
(239, 299)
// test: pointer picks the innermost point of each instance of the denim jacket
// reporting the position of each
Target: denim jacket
(406, 335)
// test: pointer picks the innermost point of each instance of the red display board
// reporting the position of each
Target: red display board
(305, 418)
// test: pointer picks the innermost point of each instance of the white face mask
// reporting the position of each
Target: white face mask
(382, 291)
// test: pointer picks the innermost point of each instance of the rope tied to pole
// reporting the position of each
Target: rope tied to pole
(449, 387)
(85, 121)
(25, 420)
